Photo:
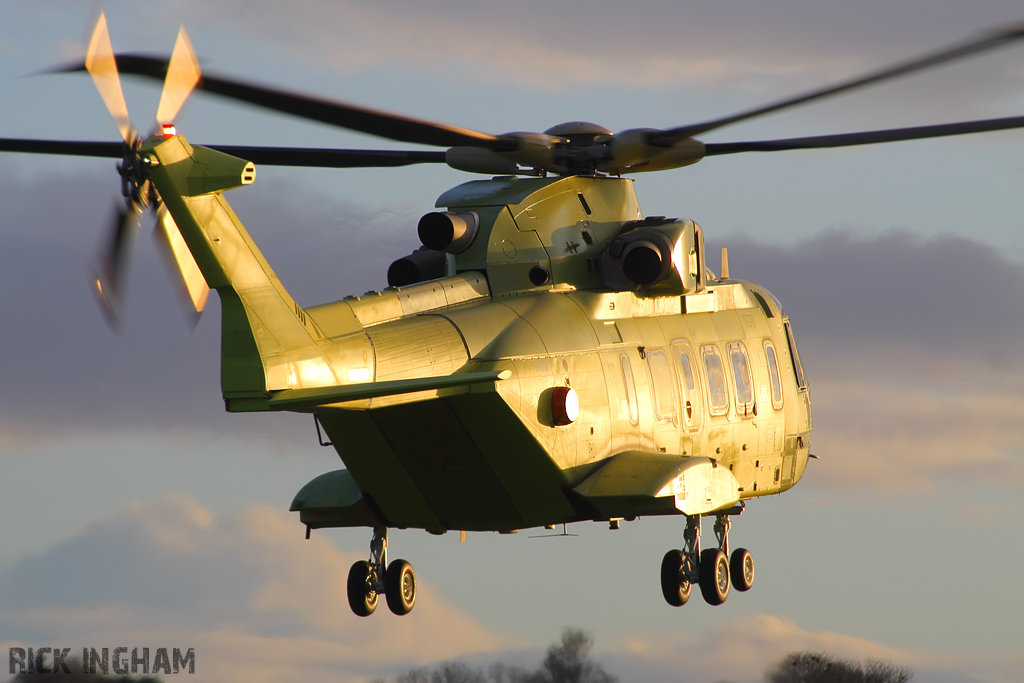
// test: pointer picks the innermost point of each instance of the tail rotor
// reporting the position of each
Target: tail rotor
(183, 74)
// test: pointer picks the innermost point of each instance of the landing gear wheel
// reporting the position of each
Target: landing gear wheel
(400, 587)
(674, 584)
(714, 576)
(362, 598)
(741, 568)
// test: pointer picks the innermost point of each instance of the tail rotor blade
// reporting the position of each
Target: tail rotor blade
(193, 288)
(108, 277)
(99, 62)
(183, 75)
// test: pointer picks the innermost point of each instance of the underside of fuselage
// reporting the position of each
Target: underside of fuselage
(463, 461)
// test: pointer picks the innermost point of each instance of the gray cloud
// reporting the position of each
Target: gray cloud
(743, 48)
(950, 294)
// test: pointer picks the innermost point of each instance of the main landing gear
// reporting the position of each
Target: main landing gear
(711, 569)
(367, 580)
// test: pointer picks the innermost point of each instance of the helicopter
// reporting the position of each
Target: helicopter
(550, 355)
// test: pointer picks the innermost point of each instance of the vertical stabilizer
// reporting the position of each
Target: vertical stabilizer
(268, 342)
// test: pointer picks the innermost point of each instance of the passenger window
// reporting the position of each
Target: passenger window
(742, 380)
(773, 372)
(661, 383)
(693, 404)
(627, 376)
(718, 396)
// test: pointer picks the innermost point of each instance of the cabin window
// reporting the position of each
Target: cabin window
(693, 404)
(742, 381)
(773, 373)
(661, 383)
(798, 369)
(718, 397)
(627, 377)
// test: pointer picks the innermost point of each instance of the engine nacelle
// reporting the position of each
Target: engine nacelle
(449, 232)
(659, 256)
(419, 266)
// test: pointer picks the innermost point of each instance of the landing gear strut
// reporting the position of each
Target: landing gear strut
(367, 580)
(712, 569)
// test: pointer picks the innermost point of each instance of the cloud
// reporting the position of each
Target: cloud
(949, 293)
(254, 599)
(739, 650)
(748, 47)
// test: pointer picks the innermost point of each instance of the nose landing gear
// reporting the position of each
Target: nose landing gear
(711, 569)
(367, 580)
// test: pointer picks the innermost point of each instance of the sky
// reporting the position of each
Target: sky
(136, 512)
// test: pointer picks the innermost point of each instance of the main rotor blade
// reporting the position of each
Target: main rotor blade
(870, 137)
(994, 39)
(68, 147)
(330, 158)
(99, 62)
(182, 76)
(353, 117)
(267, 156)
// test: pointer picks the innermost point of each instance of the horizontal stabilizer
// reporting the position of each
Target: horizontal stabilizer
(290, 399)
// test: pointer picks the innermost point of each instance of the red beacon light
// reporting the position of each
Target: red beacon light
(168, 130)
(565, 406)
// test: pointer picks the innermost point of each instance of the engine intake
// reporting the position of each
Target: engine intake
(647, 261)
(664, 257)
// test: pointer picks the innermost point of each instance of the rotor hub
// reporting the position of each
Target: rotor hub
(578, 132)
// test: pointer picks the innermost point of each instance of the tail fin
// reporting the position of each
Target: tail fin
(268, 342)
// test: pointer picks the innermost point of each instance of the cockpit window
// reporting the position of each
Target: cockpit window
(798, 369)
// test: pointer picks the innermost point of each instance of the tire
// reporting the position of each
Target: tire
(361, 597)
(674, 584)
(400, 587)
(741, 568)
(714, 576)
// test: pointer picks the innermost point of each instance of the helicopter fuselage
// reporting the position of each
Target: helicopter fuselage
(719, 384)
(485, 400)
